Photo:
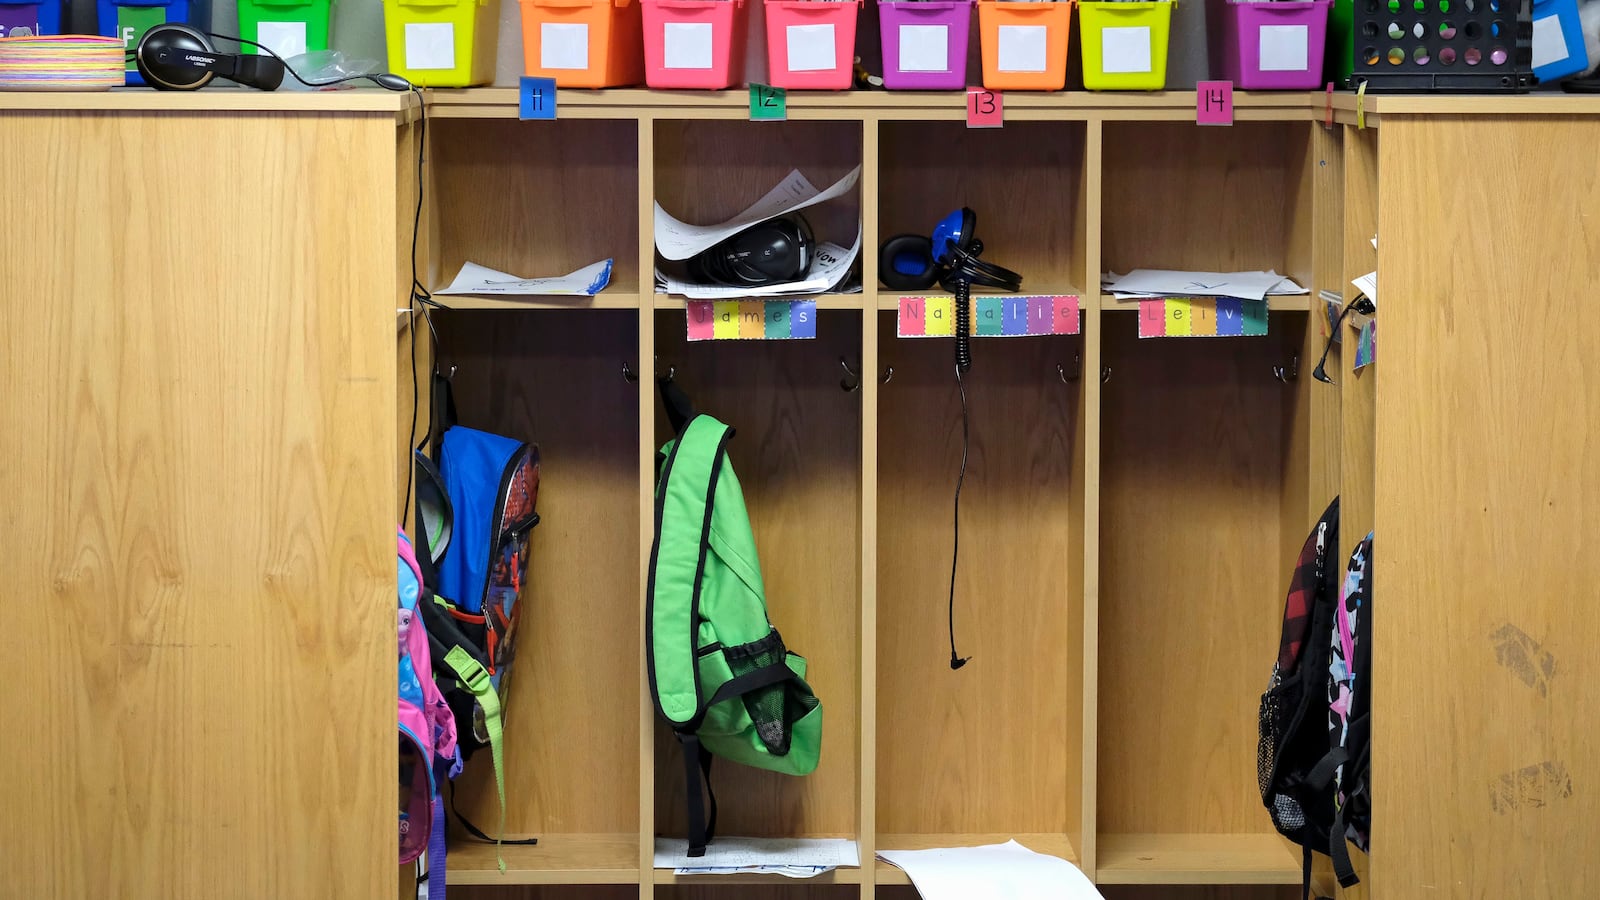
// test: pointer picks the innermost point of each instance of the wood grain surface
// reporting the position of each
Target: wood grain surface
(1484, 494)
(991, 747)
(536, 198)
(199, 474)
(554, 378)
(1024, 184)
(797, 456)
(1208, 199)
(1190, 593)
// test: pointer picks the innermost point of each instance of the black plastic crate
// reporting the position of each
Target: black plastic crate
(1459, 46)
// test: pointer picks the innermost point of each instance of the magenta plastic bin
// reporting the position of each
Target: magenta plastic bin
(693, 43)
(811, 43)
(1273, 46)
(925, 44)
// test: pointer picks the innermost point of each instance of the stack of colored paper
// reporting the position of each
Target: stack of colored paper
(68, 62)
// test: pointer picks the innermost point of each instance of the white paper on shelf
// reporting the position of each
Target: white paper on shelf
(1175, 283)
(476, 279)
(1006, 871)
(830, 263)
(680, 240)
(1368, 284)
(794, 857)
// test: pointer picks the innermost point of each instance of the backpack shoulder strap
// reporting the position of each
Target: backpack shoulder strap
(684, 507)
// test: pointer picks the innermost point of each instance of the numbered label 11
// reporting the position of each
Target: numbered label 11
(985, 108)
(768, 104)
(537, 98)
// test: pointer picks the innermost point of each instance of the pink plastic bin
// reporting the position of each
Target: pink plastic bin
(1273, 46)
(912, 57)
(693, 43)
(811, 43)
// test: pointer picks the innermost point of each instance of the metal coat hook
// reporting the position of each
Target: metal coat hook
(888, 374)
(851, 381)
(447, 376)
(1105, 374)
(628, 374)
(1289, 373)
(1077, 370)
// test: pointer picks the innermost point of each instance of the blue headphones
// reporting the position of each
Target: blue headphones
(913, 262)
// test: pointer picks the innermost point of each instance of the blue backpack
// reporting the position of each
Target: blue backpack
(475, 513)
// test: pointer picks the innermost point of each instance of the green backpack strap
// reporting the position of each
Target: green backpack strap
(677, 565)
(476, 680)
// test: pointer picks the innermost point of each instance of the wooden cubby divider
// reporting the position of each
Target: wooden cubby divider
(1128, 516)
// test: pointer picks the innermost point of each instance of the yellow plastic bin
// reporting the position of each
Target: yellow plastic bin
(1125, 44)
(442, 43)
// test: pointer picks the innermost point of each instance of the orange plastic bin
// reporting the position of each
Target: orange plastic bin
(583, 43)
(1024, 44)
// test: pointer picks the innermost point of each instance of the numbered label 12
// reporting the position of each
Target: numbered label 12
(1213, 103)
(768, 104)
(537, 98)
(985, 108)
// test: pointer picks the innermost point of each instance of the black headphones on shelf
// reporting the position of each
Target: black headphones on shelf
(177, 57)
(914, 262)
(771, 252)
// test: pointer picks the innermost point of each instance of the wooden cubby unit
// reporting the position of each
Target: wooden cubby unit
(1117, 536)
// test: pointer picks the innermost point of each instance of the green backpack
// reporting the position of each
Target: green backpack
(719, 673)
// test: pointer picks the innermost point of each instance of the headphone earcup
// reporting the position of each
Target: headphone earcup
(259, 71)
(905, 263)
(166, 77)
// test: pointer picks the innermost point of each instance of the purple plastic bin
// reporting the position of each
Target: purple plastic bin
(913, 58)
(1274, 46)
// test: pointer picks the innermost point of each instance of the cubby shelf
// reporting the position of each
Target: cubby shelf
(1299, 303)
(556, 859)
(1051, 844)
(846, 875)
(823, 301)
(615, 297)
(1196, 859)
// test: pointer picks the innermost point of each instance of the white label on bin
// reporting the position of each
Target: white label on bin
(687, 45)
(283, 38)
(1283, 48)
(1549, 44)
(563, 45)
(811, 48)
(430, 45)
(1022, 48)
(924, 48)
(1125, 51)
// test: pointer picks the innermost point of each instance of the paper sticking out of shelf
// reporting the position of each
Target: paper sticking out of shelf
(830, 263)
(1007, 870)
(1147, 283)
(1374, 242)
(1368, 284)
(678, 240)
(476, 279)
(792, 857)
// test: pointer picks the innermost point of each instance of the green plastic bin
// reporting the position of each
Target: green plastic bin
(1340, 60)
(289, 27)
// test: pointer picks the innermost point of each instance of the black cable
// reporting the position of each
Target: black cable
(957, 661)
(963, 292)
(420, 296)
(1361, 305)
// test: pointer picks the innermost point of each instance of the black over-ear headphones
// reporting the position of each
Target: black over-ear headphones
(912, 262)
(771, 252)
(176, 57)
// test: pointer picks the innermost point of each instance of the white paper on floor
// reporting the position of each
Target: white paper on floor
(1006, 871)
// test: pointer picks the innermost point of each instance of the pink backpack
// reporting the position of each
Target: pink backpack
(427, 727)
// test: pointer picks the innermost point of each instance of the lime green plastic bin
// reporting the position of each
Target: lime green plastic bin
(1125, 44)
(287, 27)
(442, 43)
